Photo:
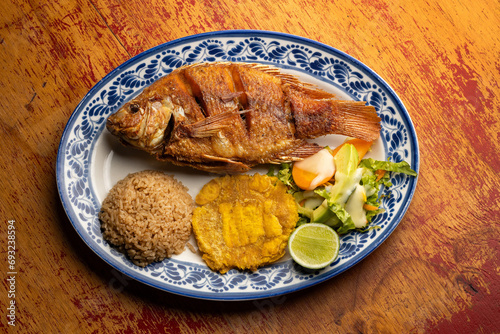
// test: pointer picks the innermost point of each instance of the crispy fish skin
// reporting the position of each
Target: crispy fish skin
(243, 221)
(228, 117)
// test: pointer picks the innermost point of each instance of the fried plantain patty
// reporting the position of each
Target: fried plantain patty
(243, 221)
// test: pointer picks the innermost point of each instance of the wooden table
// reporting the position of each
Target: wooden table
(437, 273)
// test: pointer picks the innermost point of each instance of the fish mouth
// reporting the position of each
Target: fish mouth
(115, 126)
(127, 129)
(111, 125)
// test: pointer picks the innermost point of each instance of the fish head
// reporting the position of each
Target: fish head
(142, 122)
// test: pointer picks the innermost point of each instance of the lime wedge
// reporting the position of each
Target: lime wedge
(314, 245)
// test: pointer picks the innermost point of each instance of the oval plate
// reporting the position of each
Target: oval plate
(90, 161)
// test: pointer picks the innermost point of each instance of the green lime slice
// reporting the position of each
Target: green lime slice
(314, 245)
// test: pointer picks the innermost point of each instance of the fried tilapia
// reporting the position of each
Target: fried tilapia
(228, 117)
(243, 221)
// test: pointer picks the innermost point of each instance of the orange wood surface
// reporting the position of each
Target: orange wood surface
(437, 273)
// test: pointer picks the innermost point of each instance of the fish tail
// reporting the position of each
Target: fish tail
(358, 120)
(318, 117)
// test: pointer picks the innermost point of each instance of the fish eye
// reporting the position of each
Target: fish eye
(134, 108)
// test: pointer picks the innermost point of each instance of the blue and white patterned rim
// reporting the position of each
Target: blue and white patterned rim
(286, 51)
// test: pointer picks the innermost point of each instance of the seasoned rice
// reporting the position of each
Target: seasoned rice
(147, 216)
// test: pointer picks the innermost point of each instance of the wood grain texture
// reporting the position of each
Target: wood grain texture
(437, 273)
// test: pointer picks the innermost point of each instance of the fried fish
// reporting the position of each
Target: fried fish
(228, 117)
(243, 221)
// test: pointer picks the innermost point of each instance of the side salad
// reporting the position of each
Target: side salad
(338, 187)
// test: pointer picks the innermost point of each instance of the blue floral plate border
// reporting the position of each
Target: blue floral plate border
(76, 156)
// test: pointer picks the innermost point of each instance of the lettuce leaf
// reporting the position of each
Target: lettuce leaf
(339, 210)
(284, 174)
(372, 185)
(344, 216)
(398, 167)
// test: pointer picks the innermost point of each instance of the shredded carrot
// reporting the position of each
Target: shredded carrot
(380, 174)
(370, 207)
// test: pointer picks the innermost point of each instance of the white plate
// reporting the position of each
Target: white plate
(90, 161)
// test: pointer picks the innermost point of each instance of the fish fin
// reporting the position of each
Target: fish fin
(303, 151)
(360, 121)
(213, 164)
(210, 126)
(289, 80)
(230, 97)
(222, 168)
(225, 164)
